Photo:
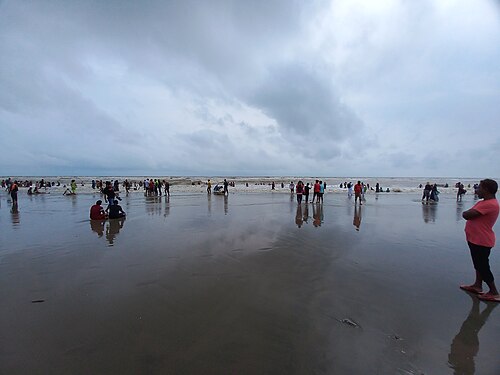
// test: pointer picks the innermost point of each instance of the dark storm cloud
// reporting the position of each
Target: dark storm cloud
(304, 104)
(291, 81)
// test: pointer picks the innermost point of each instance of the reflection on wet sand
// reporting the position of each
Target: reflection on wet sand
(460, 209)
(225, 204)
(356, 221)
(15, 215)
(306, 212)
(299, 220)
(317, 214)
(167, 206)
(429, 212)
(465, 345)
(113, 228)
(153, 205)
(97, 226)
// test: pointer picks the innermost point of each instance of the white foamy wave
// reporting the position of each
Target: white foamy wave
(254, 184)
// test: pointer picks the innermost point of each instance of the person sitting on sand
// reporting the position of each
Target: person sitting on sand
(115, 211)
(68, 192)
(480, 237)
(97, 212)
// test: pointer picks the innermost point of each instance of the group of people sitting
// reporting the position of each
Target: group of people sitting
(114, 211)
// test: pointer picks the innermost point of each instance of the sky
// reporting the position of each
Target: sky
(267, 88)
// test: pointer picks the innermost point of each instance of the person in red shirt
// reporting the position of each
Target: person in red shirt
(97, 212)
(358, 188)
(481, 238)
(316, 189)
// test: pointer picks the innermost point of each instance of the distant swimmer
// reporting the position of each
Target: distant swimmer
(116, 211)
(480, 237)
(97, 212)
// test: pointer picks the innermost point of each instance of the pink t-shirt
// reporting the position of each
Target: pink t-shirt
(479, 230)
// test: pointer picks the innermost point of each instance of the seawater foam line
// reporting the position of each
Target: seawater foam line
(256, 184)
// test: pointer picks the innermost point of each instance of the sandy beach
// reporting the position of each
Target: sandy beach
(245, 284)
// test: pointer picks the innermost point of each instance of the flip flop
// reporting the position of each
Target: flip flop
(489, 297)
(471, 289)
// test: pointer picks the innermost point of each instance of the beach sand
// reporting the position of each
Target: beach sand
(214, 285)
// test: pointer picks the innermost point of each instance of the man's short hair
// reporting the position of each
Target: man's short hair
(115, 201)
(99, 202)
(490, 185)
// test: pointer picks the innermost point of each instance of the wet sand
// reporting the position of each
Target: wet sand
(214, 285)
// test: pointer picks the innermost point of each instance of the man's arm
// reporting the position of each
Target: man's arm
(471, 214)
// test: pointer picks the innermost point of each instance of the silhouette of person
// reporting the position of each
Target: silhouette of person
(465, 344)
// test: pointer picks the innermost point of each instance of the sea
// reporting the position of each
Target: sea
(253, 184)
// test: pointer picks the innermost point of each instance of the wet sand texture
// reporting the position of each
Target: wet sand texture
(249, 284)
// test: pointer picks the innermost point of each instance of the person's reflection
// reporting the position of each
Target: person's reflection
(357, 217)
(460, 208)
(15, 215)
(317, 214)
(209, 197)
(113, 228)
(429, 213)
(97, 226)
(465, 345)
(298, 216)
(167, 206)
(306, 212)
(225, 205)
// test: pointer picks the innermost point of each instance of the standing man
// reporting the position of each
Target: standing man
(481, 238)
(316, 189)
(209, 187)
(167, 188)
(358, 188)
(306, 192)
(13, 192)
(109, 193)
(226, 184)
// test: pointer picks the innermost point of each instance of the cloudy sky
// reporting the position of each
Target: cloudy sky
(317, 88)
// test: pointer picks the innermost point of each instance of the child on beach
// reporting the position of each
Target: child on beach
(481, 238)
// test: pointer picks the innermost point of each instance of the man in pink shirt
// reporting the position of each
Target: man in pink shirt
(481, 238)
